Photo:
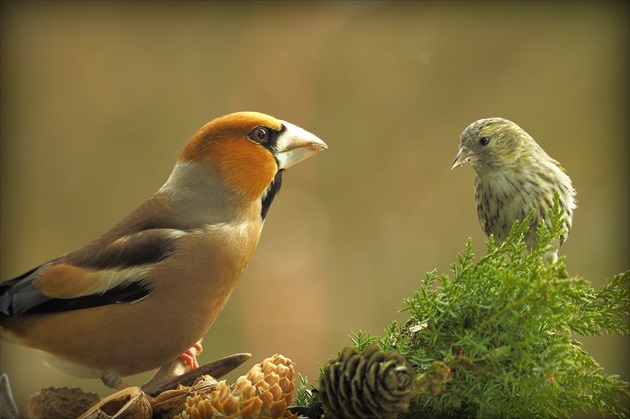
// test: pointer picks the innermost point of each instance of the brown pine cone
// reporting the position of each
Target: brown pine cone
(264, 392)
(368, 384)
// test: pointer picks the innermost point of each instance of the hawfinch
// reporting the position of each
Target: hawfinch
(145, 291)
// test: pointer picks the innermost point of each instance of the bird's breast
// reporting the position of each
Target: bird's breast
(203, 271)
(192, 287)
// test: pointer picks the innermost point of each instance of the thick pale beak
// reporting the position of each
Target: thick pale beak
(296, 144)
(465, 156)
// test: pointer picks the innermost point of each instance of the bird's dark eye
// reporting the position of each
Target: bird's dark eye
(260, 135)
(484, 140)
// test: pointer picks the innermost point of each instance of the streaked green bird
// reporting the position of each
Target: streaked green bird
(514, 176)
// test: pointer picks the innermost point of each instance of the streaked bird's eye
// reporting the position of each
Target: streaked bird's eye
(484, 140)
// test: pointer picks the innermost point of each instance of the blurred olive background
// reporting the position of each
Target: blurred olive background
(98, 99)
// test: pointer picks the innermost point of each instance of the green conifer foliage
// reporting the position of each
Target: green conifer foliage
(497, 337)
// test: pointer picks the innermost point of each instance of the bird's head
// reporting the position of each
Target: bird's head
(492, 143)
(246, 153)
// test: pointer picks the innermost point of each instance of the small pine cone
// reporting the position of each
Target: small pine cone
(370, 384)
(264, 392)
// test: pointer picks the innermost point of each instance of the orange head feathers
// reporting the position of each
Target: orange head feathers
(249, 150)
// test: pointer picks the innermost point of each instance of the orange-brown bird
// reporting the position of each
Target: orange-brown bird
(145, 291)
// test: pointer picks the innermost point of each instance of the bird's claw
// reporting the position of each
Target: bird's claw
(190, 356)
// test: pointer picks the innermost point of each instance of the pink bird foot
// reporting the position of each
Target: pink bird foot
(190, 356)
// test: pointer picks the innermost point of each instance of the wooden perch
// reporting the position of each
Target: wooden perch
(217, 369)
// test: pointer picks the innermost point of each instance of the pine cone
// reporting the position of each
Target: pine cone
(264, 392)
(371, 384)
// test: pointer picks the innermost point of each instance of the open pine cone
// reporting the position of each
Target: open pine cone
(368, 384)
(264, 392)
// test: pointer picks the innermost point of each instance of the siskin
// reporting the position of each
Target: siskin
(514, 176)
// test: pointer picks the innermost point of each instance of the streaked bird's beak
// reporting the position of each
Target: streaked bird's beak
(465, 156)
(296, 144)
